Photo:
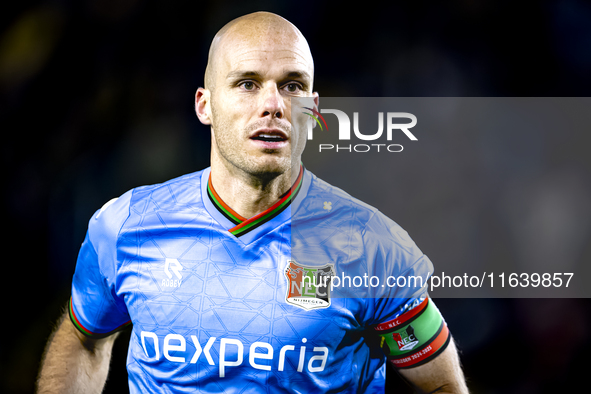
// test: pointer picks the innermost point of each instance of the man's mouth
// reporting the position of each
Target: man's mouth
(268, 137)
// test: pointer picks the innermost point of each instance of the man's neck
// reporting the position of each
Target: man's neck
(249, 195)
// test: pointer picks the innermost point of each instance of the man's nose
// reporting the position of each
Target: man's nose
(273, 104)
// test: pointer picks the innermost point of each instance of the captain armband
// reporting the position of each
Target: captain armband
(415, 337)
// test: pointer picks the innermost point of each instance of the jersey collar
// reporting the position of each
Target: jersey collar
(238, 225)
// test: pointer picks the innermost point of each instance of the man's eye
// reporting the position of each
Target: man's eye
(293, 87)
(248, 85)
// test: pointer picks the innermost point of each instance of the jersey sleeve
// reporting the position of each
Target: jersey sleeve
(95, 308)
(410, 328)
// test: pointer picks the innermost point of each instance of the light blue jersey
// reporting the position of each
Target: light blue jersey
(219, 303)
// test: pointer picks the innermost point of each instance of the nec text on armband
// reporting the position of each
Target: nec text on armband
(393, 123)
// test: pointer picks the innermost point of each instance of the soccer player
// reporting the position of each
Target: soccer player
(220, 272)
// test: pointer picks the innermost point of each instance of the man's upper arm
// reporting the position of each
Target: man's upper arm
(419, 345)
(443, 374)
(413, 334)
(95, 309)
(74, 362)
(415, 337)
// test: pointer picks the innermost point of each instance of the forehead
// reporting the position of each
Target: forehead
(270, 58)
(271, 47)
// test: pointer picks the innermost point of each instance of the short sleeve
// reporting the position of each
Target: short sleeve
(411, 329)
(401, 267)
(95, 308)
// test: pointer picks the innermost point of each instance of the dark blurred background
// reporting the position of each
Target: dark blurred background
(96, 97)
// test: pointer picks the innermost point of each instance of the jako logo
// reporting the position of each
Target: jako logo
(177, 344)
(345, 130)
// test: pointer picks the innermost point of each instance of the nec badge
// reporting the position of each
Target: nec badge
(406, 340)
(308, 287)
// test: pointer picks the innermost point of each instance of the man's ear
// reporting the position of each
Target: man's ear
(316, 100)
(202, 107)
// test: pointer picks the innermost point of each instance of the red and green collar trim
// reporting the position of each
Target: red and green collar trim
(243, 225)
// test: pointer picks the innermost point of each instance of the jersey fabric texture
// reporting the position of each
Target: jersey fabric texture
(212, 296)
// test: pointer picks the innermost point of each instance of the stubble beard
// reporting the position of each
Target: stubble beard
(227, 144)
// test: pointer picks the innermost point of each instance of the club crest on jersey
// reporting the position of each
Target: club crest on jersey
(406, 340)
(308, 287)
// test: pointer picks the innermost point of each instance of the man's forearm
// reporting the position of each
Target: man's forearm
(74, 363)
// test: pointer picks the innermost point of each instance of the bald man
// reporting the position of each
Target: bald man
(207, 270)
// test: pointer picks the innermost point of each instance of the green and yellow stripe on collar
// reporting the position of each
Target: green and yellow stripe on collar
(243, 225)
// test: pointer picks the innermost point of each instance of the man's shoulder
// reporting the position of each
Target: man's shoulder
(331, 218)
(332, 207)
(340, 203)
(177, 189)
(180, 191)
(321, 189)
